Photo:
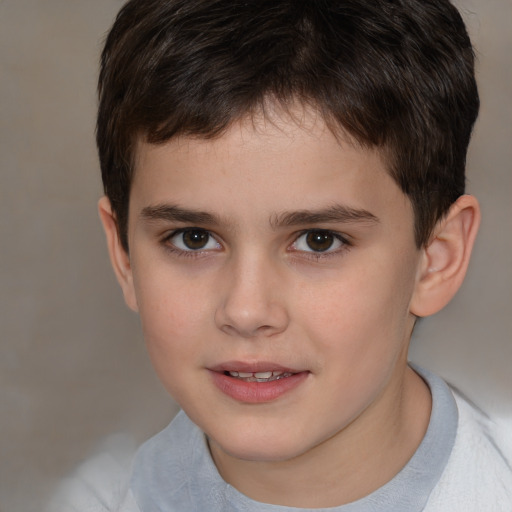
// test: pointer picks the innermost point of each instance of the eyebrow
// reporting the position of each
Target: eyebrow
(332, 214)
(177, 214)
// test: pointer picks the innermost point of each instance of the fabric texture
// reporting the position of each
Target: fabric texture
(462, 464)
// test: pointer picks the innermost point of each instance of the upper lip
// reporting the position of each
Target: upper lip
(252, 367)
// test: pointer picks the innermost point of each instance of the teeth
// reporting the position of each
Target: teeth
(263, 375)
(260, 376)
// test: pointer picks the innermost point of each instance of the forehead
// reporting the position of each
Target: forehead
(273, 125)
(282, 161)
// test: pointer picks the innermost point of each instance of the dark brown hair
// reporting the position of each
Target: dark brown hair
(394, 74)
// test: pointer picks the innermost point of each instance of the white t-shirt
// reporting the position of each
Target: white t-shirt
(462, 464)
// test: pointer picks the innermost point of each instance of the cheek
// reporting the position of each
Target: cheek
(363, 313)
(173, 318)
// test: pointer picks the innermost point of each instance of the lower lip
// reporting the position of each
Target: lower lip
(257, 392)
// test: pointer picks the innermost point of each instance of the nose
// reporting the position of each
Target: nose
(251, 302)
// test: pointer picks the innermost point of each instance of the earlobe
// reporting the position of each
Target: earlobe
(118, 256)
(445, 259)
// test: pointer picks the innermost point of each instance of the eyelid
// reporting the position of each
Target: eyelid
(171, 246)
(345, 243)
(342, 238)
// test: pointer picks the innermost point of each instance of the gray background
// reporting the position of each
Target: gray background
(72, 362)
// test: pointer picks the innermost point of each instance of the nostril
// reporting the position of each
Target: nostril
(250, 311)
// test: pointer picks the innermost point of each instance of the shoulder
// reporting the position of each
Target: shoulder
(120, 475)
(484, 439)
(175, 468)
(101, 484)
(478, 476)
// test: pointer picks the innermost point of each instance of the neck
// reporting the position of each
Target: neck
(353, 463)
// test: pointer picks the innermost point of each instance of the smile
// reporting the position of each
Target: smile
(259, 376)
(256, 383)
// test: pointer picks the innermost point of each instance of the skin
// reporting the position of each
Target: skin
(257, 292)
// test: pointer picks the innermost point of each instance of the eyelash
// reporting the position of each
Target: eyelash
(315, 255)
(172, 248)
(345, 244)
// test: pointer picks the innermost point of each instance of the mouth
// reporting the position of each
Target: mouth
(257, 382)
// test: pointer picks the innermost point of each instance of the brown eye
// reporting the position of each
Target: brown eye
(188, 240)
(320, 241)
(195, 239)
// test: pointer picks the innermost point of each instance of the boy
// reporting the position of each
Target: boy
(284, 189)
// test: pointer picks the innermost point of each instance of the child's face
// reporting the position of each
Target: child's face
(274, 248)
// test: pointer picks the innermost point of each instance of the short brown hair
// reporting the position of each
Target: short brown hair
(394, 74)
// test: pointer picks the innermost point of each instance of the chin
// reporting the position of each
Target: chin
(258, 453)
(261, 446)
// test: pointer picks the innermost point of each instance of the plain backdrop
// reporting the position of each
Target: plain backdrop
(73, 366)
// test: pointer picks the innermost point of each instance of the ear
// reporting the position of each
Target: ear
(445, 259)
(118, 256)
